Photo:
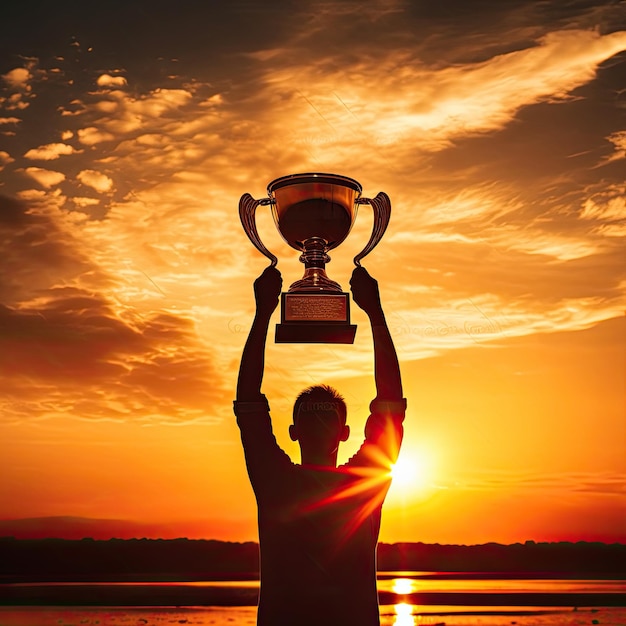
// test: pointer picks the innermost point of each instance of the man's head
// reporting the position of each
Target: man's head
(319, 424)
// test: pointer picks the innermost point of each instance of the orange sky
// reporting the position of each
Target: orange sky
(126, 278)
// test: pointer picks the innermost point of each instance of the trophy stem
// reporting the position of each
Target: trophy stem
(315, 280)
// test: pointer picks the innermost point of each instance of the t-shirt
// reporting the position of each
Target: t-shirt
(318, 526)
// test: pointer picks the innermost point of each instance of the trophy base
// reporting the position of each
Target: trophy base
(310, 332)
(315, 318)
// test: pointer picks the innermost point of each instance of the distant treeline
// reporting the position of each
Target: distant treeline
(186, 559)
(561, 559)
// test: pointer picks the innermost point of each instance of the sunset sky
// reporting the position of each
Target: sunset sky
(128, 132)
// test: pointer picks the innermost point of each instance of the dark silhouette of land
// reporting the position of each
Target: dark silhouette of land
(39, 560)
(143, 561)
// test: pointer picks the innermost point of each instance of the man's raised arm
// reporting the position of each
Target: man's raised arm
(266, 292)
(386, 368)
(384, 426)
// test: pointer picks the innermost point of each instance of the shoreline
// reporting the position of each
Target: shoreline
(243, 577)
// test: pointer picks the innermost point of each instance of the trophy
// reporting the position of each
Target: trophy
(314, 213)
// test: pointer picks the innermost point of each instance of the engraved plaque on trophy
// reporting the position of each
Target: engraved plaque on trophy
(314, 213)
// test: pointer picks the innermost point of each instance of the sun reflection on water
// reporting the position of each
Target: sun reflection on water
(404, 611)
(402, 586)
(404, 615)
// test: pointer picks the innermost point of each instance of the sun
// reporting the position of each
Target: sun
(411, 472)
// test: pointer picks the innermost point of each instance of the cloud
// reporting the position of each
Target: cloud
(599, 483)
(46, 178)
(106, 80)
(76, 350)
(494, 260)
(324, 113)
(18, 81)
(40, 254)
(609, 207)
(49, 152)
(15, 103)
(606, 209)
(96, 180)
(86, 362)
(91, 136)
(72, 109)
(18, 78)
(618, 140)
(10, 120)
(82, 201)
(68, 333)
(420, 108)
(5, 159)
(132, 113)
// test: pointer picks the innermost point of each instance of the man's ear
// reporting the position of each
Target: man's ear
(293, 432)
(345, 433)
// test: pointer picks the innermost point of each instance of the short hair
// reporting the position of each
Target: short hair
(321, 398)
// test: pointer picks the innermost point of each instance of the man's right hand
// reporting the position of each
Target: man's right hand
(267, 290)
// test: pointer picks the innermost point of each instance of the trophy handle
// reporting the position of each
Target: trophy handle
(382, 212)
(247, 209)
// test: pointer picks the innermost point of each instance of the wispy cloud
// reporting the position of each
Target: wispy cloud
(150, 178)
(599, 483)
(78, 351)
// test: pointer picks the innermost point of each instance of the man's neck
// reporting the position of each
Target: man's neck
(323, 460)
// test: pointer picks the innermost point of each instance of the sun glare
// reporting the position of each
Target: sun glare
(411, 472)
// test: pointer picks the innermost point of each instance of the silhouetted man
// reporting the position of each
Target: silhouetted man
(319, 523)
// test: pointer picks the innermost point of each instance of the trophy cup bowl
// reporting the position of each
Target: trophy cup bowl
(314, 213)
(314, 205)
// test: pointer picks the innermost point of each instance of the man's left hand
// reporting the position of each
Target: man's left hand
(267, 290)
